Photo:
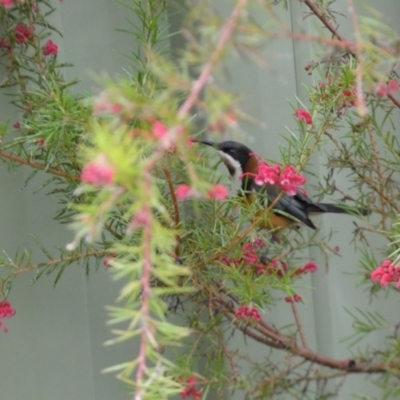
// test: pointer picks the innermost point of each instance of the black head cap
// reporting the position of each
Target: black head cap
(231, 153)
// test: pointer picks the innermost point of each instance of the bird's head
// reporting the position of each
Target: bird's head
(237, 157)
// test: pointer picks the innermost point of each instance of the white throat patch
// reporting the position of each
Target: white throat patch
(232, 164)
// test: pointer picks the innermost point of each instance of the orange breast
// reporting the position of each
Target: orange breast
(269, 221)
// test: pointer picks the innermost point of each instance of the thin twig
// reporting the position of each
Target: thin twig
(299, 325)
(317, 12)
(42, 167)
(360, 100)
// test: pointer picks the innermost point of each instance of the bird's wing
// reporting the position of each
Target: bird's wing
(297, 206)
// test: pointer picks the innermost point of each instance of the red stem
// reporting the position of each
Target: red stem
(215, 57)
(145, 297)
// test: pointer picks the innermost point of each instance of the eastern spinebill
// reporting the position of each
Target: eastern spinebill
(242, 165)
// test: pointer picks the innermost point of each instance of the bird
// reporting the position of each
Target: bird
(242, 165)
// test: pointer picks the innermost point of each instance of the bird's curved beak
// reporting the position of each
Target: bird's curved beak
(206, 142)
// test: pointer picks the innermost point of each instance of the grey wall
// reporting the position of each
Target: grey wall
(54, 347)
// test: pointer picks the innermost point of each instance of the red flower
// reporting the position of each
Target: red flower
(98, 173)
(218, 192)
(295, 299)
(7, 3)
(50, 49)
(259, 243)
(248, 313)
(310, 267)
(304, 116)
(191, 389)
(6, 311)
(22, 33)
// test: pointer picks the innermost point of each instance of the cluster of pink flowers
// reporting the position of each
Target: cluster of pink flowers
(385, 89)
(248, 313)
(98, 173)
(218, 192)
(6, 311)
(191, 389)
(294, 299)
(288, 179)
(250, 258)
(304, 116)
(328, 91)
(23, 35)
(386, 273)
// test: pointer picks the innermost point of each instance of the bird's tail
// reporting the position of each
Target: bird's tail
(332, 208)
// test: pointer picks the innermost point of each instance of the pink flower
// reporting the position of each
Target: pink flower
(160, 131)
(22, 33)
(140, 220)
(183, 192)
(393, 87)
(166, 136)
(382, 90)
(98, 173)
(386, 273)
(6, 311)
(267, 174)
(304, 116)
(389, 88)
(290, 181)
(248, 313)
(310, 267)
(50, 49)
(218, 192)
(7, 3)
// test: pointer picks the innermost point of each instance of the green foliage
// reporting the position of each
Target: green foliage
(186, 260)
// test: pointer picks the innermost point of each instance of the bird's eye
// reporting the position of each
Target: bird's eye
(232, 151)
